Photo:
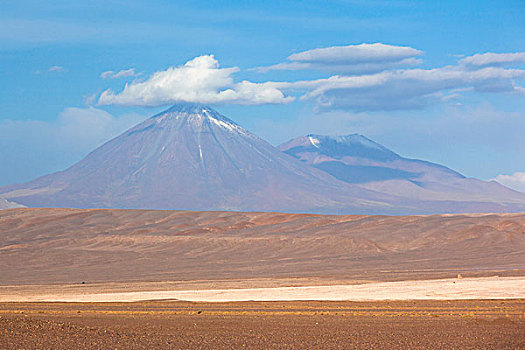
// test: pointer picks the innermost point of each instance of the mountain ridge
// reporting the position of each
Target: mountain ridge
(376, 167)
(192, 157)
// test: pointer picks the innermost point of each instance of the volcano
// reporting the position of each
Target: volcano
(356, 159)
(191, 157)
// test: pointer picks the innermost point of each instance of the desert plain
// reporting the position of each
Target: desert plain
(144, 279)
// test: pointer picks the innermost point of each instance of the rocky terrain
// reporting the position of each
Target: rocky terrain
(477, 324)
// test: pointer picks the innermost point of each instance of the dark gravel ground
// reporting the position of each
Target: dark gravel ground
(289, 325)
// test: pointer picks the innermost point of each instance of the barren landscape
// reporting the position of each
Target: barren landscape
(476, 324)
(242, 276)
(262, 174)
(70, 246)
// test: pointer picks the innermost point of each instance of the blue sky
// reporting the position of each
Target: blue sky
(438, 80)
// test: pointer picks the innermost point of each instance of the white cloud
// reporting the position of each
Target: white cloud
(202, 80)
(493, 59)
(405, 89)
(356, 59)
(56, 69)
(362, 53)
(120, 74)
(515, 181)
(199, 80)
(370, 77)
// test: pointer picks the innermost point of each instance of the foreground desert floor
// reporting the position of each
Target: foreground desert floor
(473, 324)
(70, 246)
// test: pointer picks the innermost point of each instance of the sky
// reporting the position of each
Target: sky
(442, 81)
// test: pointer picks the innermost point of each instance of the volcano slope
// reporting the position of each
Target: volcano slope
(43, 246)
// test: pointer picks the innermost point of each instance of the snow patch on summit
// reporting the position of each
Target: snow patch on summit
(315, 142)
(223, 124)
